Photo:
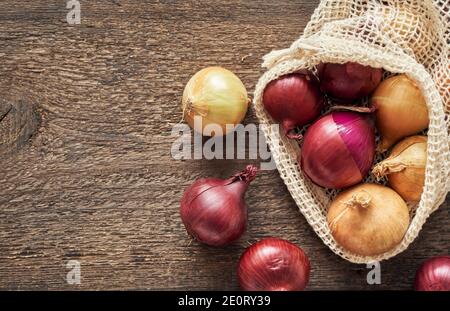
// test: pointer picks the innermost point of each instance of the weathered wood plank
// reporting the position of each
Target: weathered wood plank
(96, 182)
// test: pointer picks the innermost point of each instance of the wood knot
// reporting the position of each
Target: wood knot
(19, 120)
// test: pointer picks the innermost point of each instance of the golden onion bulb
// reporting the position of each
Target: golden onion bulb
(217, 97)
(405, 167)
(401, 110)
(368, 219)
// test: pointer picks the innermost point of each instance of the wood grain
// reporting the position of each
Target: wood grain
(96, 181)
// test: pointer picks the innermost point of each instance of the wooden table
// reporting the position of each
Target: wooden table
(86, 169)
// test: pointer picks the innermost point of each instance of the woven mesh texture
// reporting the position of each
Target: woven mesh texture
(401, 36)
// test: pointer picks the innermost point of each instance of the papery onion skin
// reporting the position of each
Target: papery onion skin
(217, 96)
(273, 264)
(433, 275)
(338, 149)
(348, 81)
(405, 167)
(214, 211)
(368, 219)
(401, 110)
(293, 100)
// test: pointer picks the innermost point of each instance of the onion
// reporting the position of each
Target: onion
(217, 97)
(293, 100)
(338, 149)
(434, 275)
(405, 167)
(214, 210)
(348, 81)
(273, 265)
(368, 219)
(401, 110)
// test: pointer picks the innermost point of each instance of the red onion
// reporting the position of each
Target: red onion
(349, 81)
(434, 275)
(338, 149)
(214, 210)
(293, 100)
(273, 265)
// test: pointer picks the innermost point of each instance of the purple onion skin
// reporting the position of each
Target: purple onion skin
(273, 264)
(293, 100)
(433, 275)
(349, 81)
(214, 210)
(338, 149)
(358, 133)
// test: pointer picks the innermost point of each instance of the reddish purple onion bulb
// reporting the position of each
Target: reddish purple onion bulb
(214, 211)
(348, 81)
(434, 275)
(293, 100)
(273, 265)
(338, 149)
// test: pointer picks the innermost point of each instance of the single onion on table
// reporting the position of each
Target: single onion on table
(434, 275)
(273, 265)
(217, 98)
(214, 211)
(368, 219)
(401, 110)
(293, 100)
(348, 81)
(338, 149)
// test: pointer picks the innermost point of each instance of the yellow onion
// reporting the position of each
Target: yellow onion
(401, 110)
(216, 96)
(405, 167)
(368, 219)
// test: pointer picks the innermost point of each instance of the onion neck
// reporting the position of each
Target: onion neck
(288, 127)
(387, 167)
(246, 175)
(358, 200)
(189, 106)
(361, 200)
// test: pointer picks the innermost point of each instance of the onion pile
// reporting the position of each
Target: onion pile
(348, 81)
(273, 265)
(338, 149)
(433, 275)
(368, 219)
(337, 152)
(293, 100)
(214, 211)
(218, 98)
(405, 167)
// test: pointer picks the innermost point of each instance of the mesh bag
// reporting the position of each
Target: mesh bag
(402, 36)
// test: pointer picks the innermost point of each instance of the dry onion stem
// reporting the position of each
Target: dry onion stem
(405, 167)
(368, 219)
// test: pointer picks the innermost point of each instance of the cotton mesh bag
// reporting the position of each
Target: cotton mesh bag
(401, 36)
